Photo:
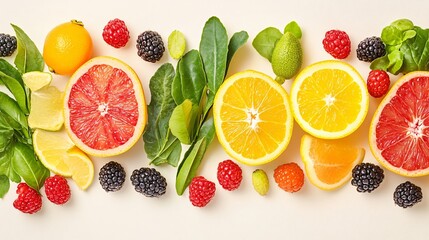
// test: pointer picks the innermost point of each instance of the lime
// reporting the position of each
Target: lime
(287, 57)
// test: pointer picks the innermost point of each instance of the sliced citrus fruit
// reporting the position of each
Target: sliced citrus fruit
(104, 107)
(399, 131)
(329, 99)
(58, 153)
(252, 117)
(36, 80)
(46, 109)
(329, 163)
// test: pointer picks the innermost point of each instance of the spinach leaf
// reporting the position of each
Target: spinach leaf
(416, 51)
(160, 145)
(4, 185)
(11, 71)
(184, 121)
(214, 52)
(190, 78)
(24, 163)
(237, 40)
(28, 57)
(17, 90)
(193, 157)
(6, 165)
(265, 42)
(11, 108)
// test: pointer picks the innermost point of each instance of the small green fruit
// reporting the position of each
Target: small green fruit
(287, 57)
(260, 182)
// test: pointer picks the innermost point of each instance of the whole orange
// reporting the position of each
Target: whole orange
(67, 47)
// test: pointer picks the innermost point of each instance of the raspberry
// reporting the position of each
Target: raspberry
(115, 33)
(57, 189)
(289, 177)
(378, 83)
(201, 191)
(29, 200)
(337, 43)
(229, 175)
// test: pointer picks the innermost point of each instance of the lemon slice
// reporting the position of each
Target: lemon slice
(329, 99)
(36, 80)
(81, 167)
(46, 109)
(329, 163)
(252, 117)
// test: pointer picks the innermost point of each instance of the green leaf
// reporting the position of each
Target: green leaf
(6, 165)
(183, 121)
(408, 35)
(193, 157)
(18, 91)
(157, 137)
(402, 24)
(237, 40)
(293, 28)
(11, 71)
(380, 63)
(214, 52)
(28, 57)
(416, 51)
(395, 61)
(4, 185)
(190, 78)
(24, 163)
(12, 109)
(266, 40)
(391, 35)
(176, 44)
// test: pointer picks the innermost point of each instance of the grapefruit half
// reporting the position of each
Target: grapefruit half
(104, 107)
(399, 133)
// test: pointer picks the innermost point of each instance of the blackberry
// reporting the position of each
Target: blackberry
(407, 194)
(367, 177)
(112, 176)
(150, 46)
(8, 45)
(370, 48)
(149, 182)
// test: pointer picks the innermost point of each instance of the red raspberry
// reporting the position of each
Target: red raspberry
(57, 189)
(378, 83)
(337, 43)
(289, 177)
(229, 175)
(201, 191)
(29, 200)
(115, 33)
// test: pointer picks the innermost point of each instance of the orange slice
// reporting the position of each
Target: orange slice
(252, 117)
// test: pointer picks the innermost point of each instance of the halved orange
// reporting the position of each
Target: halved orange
(329, 163)
(104, 107)
(252, 117)
(329, 99)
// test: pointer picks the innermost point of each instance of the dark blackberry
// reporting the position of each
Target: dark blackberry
(370, 48)
(8, 45)
(149, 182)
(150, 46)
(112, 176)
(367, 177)
(407, 194)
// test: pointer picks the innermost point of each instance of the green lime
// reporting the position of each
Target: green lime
(176, 44)
(287, 57)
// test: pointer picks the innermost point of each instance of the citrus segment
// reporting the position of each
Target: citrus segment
(81, 168)
(252, 117)
(329, 99)
(46, 109)
(105, 108)
(398, 135)
(36, 80)
(329, 163)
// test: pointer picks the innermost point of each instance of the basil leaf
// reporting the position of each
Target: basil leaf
(237, 40)
(11, 71)
(4, 185)
(11, 108)
(17, 90)
(193, 157)
(265, 42)
(157, 137)
(24, 162)
(183, 121)
(214, 52)
(6, 165)
(28, 57)
(190, 78)
(293, 28)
